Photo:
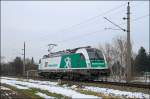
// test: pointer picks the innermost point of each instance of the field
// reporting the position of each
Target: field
(54, 89)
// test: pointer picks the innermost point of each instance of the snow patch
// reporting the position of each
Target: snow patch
(74, 87)
(32, 81)
(45, 85)
(42, 82)
(113, 92)
(44, 95)
(12, 83)
(4, 88)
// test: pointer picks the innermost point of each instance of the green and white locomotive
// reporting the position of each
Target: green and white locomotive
(79, 63)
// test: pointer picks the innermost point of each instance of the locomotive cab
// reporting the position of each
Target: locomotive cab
(94, 58)
(97, 59)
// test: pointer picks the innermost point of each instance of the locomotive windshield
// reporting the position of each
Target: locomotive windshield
(95, 54)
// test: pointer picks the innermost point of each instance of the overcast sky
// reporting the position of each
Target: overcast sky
(39, 23)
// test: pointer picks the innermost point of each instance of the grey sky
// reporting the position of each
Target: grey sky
(39, 23)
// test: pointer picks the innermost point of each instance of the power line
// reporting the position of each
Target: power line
(83, 35)
(78, 36)
(133, 6)
(99, 16)
(75, 25)
(136, 19)
(115, 24)
(141, 17)
(113, 9)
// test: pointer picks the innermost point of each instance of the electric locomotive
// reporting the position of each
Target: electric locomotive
(83, 63)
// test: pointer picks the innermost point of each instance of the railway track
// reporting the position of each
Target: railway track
(136, 85)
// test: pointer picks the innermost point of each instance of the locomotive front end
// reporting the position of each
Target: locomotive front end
(99, 67)
(97, 59)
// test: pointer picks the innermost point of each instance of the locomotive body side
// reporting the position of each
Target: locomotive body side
(85, 61)
(68, 61)
(82, 59)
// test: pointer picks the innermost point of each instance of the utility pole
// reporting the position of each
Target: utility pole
(128, 45)
(23, 59)
(128, 64)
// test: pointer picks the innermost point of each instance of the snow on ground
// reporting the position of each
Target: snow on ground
(4, 88)
(47, 86)
(9, 82)
(113, 92)
(69, 91)
(43, 82)
(44, 95)
(33, 81)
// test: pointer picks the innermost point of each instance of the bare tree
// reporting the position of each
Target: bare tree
(119, 44)
(116, 51)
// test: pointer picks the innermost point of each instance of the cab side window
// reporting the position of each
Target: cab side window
(82, 56)
(46, 64)
(40, 61)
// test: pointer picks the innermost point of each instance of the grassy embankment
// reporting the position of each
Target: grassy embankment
(31, 93)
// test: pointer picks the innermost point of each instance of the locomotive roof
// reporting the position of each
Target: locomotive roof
(68, 51)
